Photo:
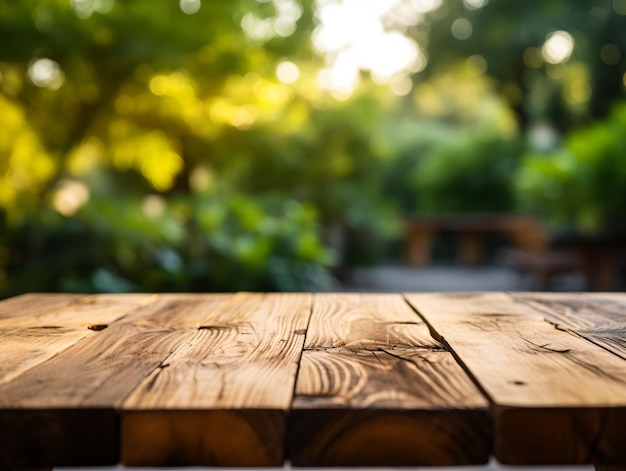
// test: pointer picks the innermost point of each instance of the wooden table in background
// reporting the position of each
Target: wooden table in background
(471, 231)
(252, 379)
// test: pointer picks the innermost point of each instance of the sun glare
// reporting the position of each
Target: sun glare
(367, 35)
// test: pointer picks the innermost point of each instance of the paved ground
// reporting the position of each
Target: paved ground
(450, 278)
(493, 466)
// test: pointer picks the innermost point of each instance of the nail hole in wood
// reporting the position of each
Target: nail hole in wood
(97, 327)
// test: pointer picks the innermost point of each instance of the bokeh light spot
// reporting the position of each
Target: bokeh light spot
(46, 73)
(243, 117)
(284, 27)
(619, 6)
(189, 7)
(579, 91)
(287, 72)
(85, 8)
(159, 85)
(401, 85)
(462, 29)
(610, 54)
(153, 206)
(477, 64)
(558, 47)
(533, 58)
(475, 4)
(200, 179)
(70, 197)
(598, 16)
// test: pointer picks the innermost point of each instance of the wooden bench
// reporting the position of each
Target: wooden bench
(253, 379)
(530, 248)
(524, 232)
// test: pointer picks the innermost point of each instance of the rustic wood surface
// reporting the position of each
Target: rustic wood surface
(598, 317)
(44, 333)
(556, 397)
(35, 304)
(63, 411)
(236, 372)
(375, 389)
(249, 379)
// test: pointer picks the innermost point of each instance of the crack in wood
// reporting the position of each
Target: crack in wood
(365, 349)
(545, 346)
(401, 323)
(604, 324)
(217, 327)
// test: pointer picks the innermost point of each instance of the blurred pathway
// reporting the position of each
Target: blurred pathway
(449, 278)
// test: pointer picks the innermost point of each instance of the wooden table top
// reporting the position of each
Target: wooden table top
(253, 379)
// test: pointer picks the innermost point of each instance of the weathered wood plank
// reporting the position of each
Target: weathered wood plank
(62, 411)
(221, 399)
(598, 317)
(81, 312)
(34, 304)
(29, 340)
(375, 389)
(556, 398)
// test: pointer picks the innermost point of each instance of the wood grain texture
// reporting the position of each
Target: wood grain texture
(34, 304)
(597, 317)
(62, 411)
(367, 322)
(375, 389)
(222, 397)
(27, 340)
(81, 312)
(556, 398)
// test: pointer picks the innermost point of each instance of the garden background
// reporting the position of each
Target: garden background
(165, 145)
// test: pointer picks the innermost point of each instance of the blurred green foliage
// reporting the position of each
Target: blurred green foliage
(146, 148)
(467, 173)
(195, 243)
(580, 186)
(507, 38)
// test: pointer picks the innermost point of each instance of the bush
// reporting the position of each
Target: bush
(187, 244)
(471, 173)
(581, 185)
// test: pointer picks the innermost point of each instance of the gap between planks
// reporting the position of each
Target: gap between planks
(375, 389)
(556, 398)
(231, 409)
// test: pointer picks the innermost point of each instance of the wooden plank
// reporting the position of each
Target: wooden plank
(556, 398)
(598, 317)
(34, 304)
(375, 389)
(62, 412)
(29, 340)
(222, 398)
